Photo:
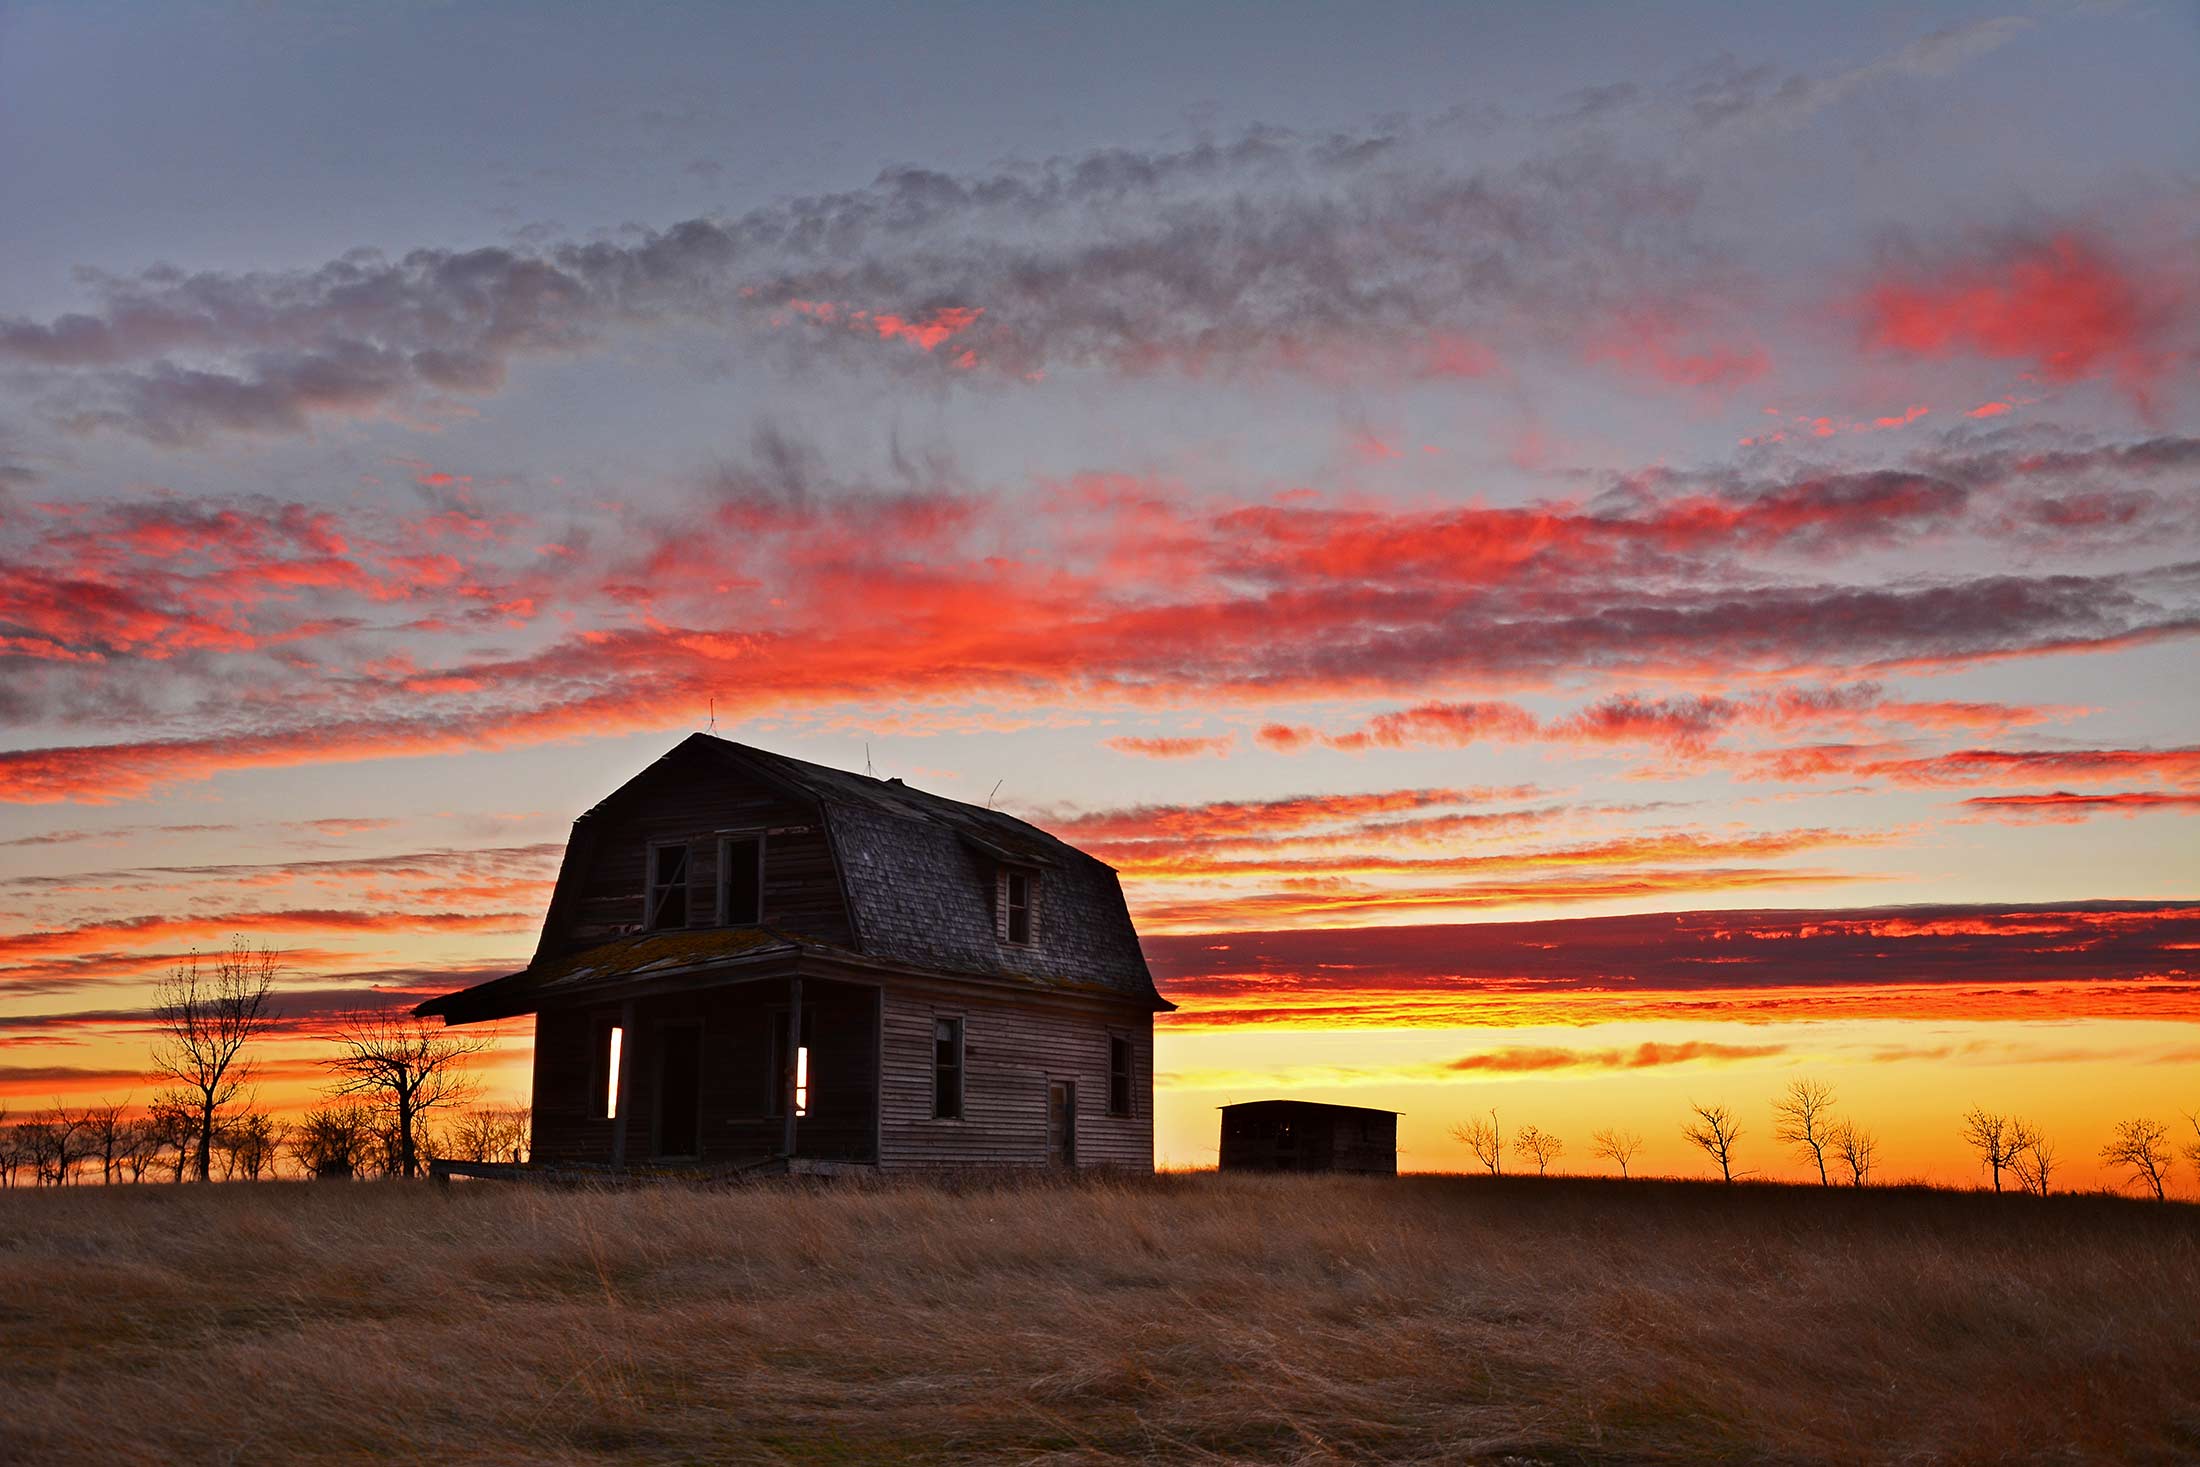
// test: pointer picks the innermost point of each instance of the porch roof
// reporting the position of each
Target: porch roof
(689, 958)
(615, 964)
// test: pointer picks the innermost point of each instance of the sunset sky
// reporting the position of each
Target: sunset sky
(1574, 558)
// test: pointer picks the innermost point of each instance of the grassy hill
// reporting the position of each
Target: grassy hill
(1195, 1317)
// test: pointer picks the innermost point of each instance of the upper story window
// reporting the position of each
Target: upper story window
(1014, 913)
(740, 880)
(1119, 1075)
(668, 886)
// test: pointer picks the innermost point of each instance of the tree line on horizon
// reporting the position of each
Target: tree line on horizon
(1843, 1152)
(393, 1078)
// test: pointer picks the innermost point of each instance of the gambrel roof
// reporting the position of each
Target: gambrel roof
(917, 871)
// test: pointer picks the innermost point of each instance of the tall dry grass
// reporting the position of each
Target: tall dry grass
(1195, 1318)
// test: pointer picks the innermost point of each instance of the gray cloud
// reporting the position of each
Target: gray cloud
(1271, 253)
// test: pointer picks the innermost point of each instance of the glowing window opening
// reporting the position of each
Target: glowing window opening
(802, 1080)
(611, 1092)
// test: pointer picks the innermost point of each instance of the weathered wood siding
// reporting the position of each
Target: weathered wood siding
(802, 893)
(737, 1075)
(1013, 1047)
(1282, 1136)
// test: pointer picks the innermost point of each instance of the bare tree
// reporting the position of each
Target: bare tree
(249, 1144)
(206, 1020)
(333, 1141)
(1484, 1140)
(141, 1147)
(2192, 1149)
(172, 1125)
(107, 1129)
(1856, 1148)
(1618, 1147)
(1533, 1143)
(1993, 1137)
(53, 1142)
(519, 1132)
(1804, 1120)
(490, 1133)
(2032, 1158)
(2141, 1147)
(1715, 1131)
(11, 1150)
(408, 1066)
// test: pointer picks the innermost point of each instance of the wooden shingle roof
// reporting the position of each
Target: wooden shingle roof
(917, 870)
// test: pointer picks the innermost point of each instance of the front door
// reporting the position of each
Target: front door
(680, 1090)
(1061, 1123)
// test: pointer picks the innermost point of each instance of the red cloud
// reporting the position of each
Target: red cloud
(2010, 766)
(1119, 589)
(139, 931)
(1686, 725)
(2061, 807)
(1285, 738)
(1165, 861)
(2065, 305)
(1449, 724)
(1786, 958)
(1337, 904)
(1653, 344)
(1242, 817)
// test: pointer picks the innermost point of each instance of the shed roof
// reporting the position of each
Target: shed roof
(1304, 1106)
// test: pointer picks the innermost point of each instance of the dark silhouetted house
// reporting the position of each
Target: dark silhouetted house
(753, 959)
(1308, 1136)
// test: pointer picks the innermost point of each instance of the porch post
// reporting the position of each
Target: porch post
(626, 1088)
(794, 1059)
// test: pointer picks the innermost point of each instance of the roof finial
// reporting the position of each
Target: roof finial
(713, 715)
(868, 771)
(996, 790)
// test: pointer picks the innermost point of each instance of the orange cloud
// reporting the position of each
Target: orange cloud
(1447, 724)
(1242, 817)
(1648, 1055)
(1164, 862)
(2013, 961)
(1177, 748)
(1335, 902)
(140, 931)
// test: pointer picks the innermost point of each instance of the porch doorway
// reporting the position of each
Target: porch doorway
(1061, 1123)
(680, 1091)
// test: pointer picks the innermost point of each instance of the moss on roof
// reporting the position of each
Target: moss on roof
(654, 951)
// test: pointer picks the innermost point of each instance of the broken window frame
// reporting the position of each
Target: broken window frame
(1122, 1075)
(657, 891)
(728, 915)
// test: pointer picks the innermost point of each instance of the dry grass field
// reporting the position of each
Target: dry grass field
(1183, 1318)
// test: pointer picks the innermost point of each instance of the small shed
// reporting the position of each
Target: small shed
(1308, 1136)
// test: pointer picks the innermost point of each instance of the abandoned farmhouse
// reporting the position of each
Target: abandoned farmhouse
(750, 959)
